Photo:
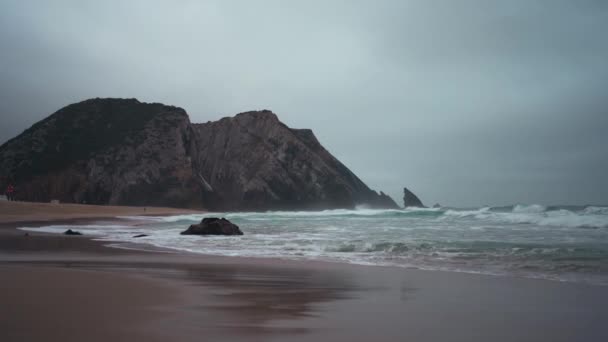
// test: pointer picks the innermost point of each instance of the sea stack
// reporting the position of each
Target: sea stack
(411, 200)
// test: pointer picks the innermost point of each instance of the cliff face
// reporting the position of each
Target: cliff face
(253, 162)
(104, 151)
(114, 151)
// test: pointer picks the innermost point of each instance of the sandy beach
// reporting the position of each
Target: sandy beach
(71, 288)
(29, 212)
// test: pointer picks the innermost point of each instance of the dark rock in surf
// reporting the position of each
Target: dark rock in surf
(411, 200)
(72, 232)
(213, 226)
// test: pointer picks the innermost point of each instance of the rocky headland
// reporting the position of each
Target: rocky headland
(125, 152)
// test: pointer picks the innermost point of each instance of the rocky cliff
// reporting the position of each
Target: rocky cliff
(105, 151)
(122, 151)
(253, 161)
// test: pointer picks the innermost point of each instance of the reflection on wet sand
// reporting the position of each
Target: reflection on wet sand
(240, 300)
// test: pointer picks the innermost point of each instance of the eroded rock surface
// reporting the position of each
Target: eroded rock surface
(125, 152)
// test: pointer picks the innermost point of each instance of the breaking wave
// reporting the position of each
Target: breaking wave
(563, 243)
(581, 217)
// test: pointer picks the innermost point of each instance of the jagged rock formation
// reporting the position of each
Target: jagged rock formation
(253, 161)
(410, 199)
(122, 151)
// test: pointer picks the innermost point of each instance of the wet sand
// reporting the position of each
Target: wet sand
(31, 211)
(69, 288)
(62, 304)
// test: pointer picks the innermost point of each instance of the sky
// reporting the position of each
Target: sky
(467, 103)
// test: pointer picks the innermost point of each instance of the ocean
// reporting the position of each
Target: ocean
(563, 243)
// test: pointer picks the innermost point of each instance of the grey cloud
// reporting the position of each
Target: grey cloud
(465, 102)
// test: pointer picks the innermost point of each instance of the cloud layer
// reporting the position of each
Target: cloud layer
(465, 102)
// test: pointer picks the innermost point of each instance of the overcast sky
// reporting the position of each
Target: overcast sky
(466, 102)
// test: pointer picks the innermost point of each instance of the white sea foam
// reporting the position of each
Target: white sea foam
(530, 240)
(529, 209)
(591, 217)
(467, 213)
(91, 229)
(420, 209)
(174, 218)
(596, 210)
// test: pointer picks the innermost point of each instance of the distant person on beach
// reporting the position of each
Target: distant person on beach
(10, 192)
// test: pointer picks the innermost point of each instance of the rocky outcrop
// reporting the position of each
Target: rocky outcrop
(105, 151)
(410, 199)
(213, 226)
(71, 232)
(125, 152)
(254, 162)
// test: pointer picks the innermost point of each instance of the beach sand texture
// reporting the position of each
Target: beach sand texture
(71, 288)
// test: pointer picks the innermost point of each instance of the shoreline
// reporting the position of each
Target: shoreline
(143, 246)
(189, 296)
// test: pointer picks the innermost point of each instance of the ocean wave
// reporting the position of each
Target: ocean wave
(589, 217)
(558, 218)
(596, 210)
(529, 209)
(467, 213)
(335, 213)
(173, 218)
(535, 214)
(443, 242)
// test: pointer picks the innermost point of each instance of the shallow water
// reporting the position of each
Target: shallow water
(560, 243)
